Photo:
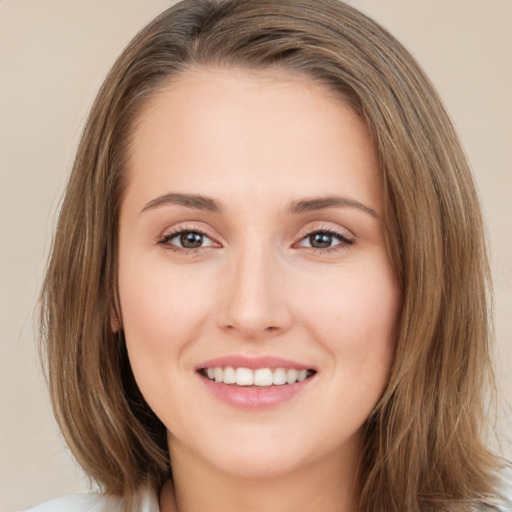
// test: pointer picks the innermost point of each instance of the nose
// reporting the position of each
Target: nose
(254, 302)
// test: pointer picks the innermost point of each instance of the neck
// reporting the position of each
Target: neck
(196, 486)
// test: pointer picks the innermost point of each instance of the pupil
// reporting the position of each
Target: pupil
(191, 240)
(320, 240)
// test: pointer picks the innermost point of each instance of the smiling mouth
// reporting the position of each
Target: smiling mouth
(259, 378)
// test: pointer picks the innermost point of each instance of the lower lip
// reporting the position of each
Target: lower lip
(253, 398)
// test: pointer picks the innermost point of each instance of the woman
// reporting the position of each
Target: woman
(268, 283)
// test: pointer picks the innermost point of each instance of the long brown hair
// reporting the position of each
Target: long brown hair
(423, 443)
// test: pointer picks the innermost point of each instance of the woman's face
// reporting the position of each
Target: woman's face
(252, 251)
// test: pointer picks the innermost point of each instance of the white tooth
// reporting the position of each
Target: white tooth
(229, 375)
(218, 374)
(211, 373)
(291, 376)
(263, 377)
(244, 377)
(279, 377)
(302, 375)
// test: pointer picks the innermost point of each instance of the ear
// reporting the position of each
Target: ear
(115, 321)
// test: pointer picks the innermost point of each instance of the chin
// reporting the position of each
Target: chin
(259, 465)
(262, 453)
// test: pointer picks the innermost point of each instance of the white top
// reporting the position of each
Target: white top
(96, 503)
(149, 501)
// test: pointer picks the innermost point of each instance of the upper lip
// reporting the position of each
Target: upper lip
(253, 363)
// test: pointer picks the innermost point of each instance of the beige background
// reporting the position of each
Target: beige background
(53, 57)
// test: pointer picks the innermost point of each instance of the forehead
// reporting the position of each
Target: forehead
(208, 127)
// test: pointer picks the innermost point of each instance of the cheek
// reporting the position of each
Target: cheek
(162, 311)
(355, 318)
(357, 302)
(163, 316)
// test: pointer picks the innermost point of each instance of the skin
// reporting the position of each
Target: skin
(256, 143)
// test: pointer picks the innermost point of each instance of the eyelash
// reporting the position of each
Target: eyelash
(344, 242)
(166, 239)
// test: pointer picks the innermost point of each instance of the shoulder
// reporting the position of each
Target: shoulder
(146, 499)
(80, 503)
(505, 483)
(502, 499)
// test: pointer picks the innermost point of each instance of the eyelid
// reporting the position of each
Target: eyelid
(169, 234)
(170, 237)
(345, 239)
(327, 227)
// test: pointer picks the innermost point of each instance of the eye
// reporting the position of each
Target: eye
(325, 239)
(187, 239)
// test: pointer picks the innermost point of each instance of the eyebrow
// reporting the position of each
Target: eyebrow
(301, 206)
(189, 200)
(309, 205)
